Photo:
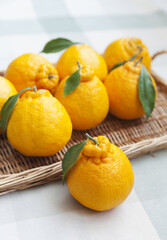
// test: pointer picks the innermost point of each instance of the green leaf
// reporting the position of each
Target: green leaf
(8, 108)
(57, 45)
(71, 157)
(146, 91)
(117, 65)
(72, 83)
(122, 63)
(132, 58)
(73, 153)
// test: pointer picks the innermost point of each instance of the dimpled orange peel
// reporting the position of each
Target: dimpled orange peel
(102, 176)
(32, 69)
(6, 90)
(122, 87)
(125, 48)
(39, 125)
(88, 104)
(86, 56)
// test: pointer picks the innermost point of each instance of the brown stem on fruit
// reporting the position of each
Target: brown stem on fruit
(158, 53)
(140, 48)
(78, 63)
(35, 89)
(140, 60)
(92, 139)
(51, 76)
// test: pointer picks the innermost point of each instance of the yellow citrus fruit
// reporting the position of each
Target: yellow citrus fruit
(122, 88)
(6, 90)
(125, 48)
(86, 56)
(102, 177)
(39, 125)
(32, 69)
(88, 104)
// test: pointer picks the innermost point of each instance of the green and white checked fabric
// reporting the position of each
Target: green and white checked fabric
(49, 212)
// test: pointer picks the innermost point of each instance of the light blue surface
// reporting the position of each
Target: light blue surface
(84, 23)
(57, 18)
(151, 187)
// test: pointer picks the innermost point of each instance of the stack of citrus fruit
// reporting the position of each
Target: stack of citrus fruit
(131, 89)
(77, 93)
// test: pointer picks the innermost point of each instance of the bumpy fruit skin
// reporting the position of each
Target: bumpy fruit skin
(125, 48)
(6, 90)
(86, 56)
(32, 69)
(122, 88)
(88, 104)
(39, 125)
(102, 177)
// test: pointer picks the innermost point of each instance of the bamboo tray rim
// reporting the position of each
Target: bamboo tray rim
(140, 148)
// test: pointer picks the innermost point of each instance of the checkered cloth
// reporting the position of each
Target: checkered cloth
(49, 212)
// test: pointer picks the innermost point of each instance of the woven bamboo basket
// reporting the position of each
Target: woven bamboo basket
(135, 138)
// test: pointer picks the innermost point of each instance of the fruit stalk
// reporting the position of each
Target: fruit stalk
(93, 139)
(140, 60)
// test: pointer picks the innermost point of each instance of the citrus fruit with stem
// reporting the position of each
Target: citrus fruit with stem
(123, 49)
(88, 104)
(86, 56)
(32, 69)
(122, 85)
(102, 176)
(39, 125)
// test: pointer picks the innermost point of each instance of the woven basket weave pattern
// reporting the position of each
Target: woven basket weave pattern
(135, 137)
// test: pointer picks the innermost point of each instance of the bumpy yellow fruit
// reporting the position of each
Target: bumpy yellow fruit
(125, 48)
(88, 104)
(6, 90)
(32, 69)
(39, 125)
(122, 88)
(102, 177)
(86, 56)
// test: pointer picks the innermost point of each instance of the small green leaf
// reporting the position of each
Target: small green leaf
(57, 45)
(8, 108)
(132, 58)
(117, 65)
(73, 153)
(71, 157)
(122, 63)
(146, 91)
(72, 83)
